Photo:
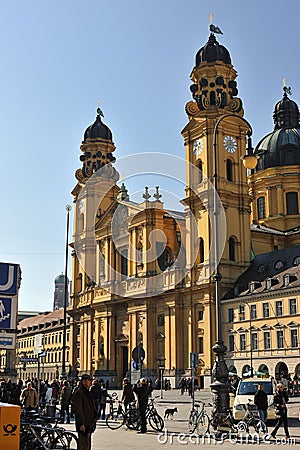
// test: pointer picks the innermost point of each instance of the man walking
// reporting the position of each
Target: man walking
(261, 402)
(85, 413)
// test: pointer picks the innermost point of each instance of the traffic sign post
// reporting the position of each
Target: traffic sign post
(194, 356)
(138, 355)
(161, 372)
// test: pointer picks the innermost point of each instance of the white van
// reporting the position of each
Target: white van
(246, 390)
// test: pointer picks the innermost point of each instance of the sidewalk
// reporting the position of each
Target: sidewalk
(175, 435)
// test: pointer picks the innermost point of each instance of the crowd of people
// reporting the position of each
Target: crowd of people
(86, 399)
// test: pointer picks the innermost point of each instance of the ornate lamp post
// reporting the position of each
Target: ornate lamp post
(63, 366)
(220, 384)
(251, 346)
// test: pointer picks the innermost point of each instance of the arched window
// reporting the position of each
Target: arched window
(229, 170)
(231, 249)
(200, 167)
(201, 250)
(261, 207)
(292, 203)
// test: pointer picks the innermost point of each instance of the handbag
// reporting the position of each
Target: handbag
(278, 412)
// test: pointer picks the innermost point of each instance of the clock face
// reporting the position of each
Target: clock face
(230, 144)
(197, 146)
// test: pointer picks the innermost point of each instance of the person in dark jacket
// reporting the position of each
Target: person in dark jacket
(96, 393)
(3, 392)
(280, 401)
(85, 413)
(261, 402)
(143, 391)
(127, 394)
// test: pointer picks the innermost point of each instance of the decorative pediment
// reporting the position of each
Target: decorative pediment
(266, 327)
(293, 324)
(121, 338)
(241, 330)
(279, 325)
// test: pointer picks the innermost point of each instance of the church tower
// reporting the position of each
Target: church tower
(59, 292)
(214, 91)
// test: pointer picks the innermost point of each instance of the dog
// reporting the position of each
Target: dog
(169, 412)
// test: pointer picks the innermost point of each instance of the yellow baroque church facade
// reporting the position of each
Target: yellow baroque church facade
(143, 277)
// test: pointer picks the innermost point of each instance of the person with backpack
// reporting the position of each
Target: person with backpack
(280, 402)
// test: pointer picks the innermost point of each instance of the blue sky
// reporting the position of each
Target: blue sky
(59, 57)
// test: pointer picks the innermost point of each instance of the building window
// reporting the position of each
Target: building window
(292, 203)
(242, 312)
(231, 343)
(254, 341)
(279, 309)
(242, 342)
(201, 250)
(229, 170)
(267, 340)
(280, 339)
(160, 320)
(201, 348)
(261, 207)
(231, 249)
(294, 338)
(230, 315)
(124, 263)
(266, 310)
(293, 305)
(253, 312)
(200, 314)
(200, 167)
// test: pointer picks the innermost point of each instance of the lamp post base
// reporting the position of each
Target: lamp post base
(220, 386)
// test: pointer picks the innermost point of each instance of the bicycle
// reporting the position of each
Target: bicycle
(37, 432)
(156, 422)
(251, 420)
(199, 420)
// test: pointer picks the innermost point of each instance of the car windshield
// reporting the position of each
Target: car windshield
(251, 387)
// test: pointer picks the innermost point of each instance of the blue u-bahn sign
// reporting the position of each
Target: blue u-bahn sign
(9, 274)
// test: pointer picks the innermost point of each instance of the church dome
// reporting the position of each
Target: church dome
(212, 51)
(282, 146)
(98, 130)
(60, 279)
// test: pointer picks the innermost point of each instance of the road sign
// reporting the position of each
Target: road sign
(9, 274)
(8, 312)
(28, 359)
(7, 340)
(138, 354)
(194, 360)
(38, 343)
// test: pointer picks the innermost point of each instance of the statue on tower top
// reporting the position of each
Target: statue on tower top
(212, 27)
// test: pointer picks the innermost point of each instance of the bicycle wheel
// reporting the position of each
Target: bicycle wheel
(156, 422)
(115, 420)
(66, 441)
(132, 419)
(192, 423)
(203, 425)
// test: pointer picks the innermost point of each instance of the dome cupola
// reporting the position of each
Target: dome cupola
(98, 130)
(282, 146)
(212, 51)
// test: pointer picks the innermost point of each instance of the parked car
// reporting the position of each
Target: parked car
(246, 390)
